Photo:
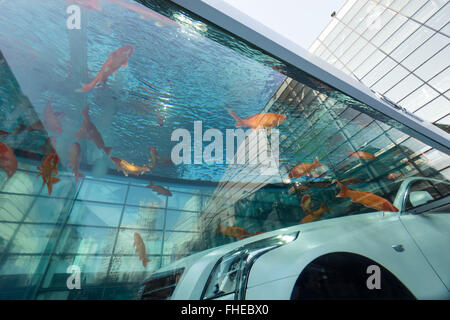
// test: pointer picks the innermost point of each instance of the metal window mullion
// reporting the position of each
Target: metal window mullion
(112, 255)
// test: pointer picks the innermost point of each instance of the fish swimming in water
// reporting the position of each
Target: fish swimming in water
(394, 175)
(92, 132)
(235, 232)
(254, 234)
(349, 181)
(315, 215)
(35, 126)
(52, 119)
(8, 160)
(259, 120)
(75, 159)
(117, 59)
(129, 168)
(49, 146)
(140, 249)
(3, 133)
(159, 189)
(361, 155)
(146, 13)
(306, 203)
(367, 199)
(304, 169)
(46, 168)
(153, 158)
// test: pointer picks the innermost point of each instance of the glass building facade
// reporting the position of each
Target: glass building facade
(398, 48)
(176, 87)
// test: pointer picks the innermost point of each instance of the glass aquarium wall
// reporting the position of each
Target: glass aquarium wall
(134, 133)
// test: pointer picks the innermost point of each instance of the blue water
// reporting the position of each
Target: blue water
(193, 78)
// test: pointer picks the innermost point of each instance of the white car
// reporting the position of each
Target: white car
(376, 255)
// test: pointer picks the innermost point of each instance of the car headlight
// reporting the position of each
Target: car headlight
(230, 274)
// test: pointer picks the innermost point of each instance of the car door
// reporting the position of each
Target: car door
(426, 216)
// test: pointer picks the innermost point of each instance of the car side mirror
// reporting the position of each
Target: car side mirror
(418, 198)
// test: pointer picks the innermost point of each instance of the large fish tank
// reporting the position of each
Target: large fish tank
(184, 72)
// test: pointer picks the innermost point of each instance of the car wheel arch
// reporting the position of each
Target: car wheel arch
(345, 275)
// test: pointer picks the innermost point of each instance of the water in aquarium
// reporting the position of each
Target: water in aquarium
(134, 133)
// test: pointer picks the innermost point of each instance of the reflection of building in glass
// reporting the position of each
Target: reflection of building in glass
(399, 49)
(92, 223)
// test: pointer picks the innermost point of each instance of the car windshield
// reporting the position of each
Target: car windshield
(132, 136)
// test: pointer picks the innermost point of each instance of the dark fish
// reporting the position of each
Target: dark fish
(159, 189)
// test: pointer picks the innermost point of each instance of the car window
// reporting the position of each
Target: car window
(423, 192)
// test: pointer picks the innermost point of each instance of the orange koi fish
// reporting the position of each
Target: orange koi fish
(315, 215)
(349, 181)
(153, 158)
(115, 60)
(49, 146)
(93, 134)
(159, 189)
(394, 175)
(88, 4)
(306, 203)
(52, 119)
(146, 13)
(127, 167)
(259, 120)
(304, 169)
(367, 199)
(35, 126)
(361, 155)
(254, 234)
(8, 160)
(235, 232)
(140, 249)
(47, 167)
(75, 159)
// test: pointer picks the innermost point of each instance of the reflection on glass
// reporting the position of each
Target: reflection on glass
(137, 208)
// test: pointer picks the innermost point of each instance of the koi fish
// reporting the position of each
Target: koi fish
(367, 199)
(8, 160)
(127, 167)
(361, 155)
(153, 157)
(3, 133)
(75, 159)
(93, 134)
(306, 203)
(51, 119)
(35, 126)
(146, 13)
(349, 181)
(159, 189)
(304, 169)
(394, 175)
(259, 120)
(315, 215)
(115, 60)
(46, 168)
(88, 4)
(49, 146)
(254, 234)
(140, 249)
(235, 232)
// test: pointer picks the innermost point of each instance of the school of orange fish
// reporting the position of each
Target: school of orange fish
(88, 130)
